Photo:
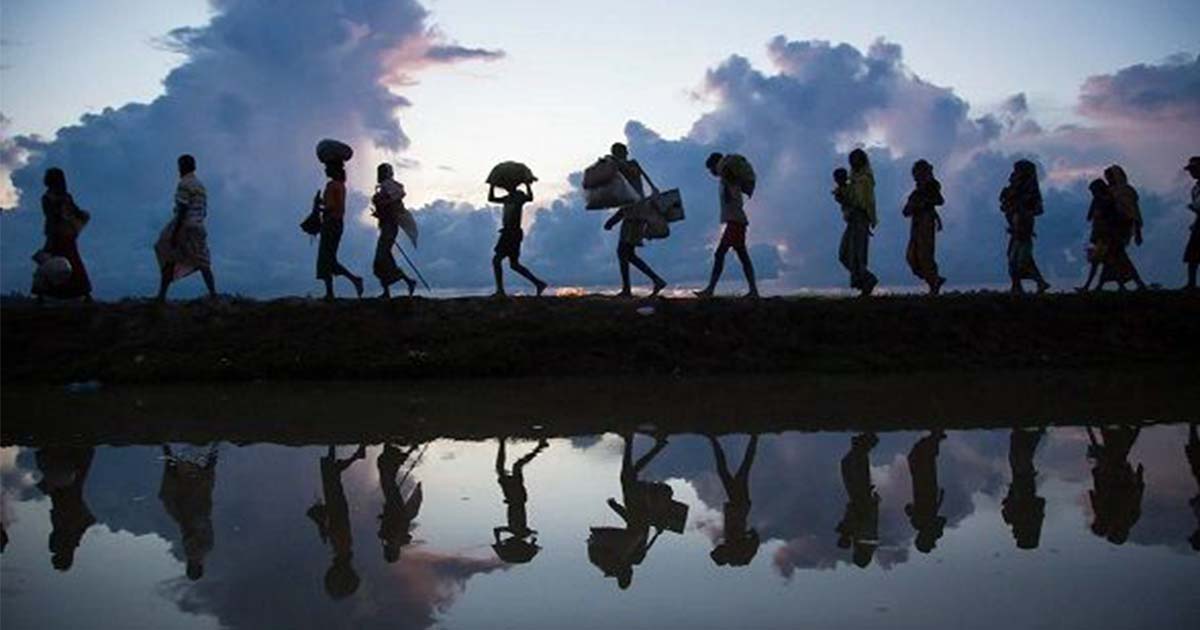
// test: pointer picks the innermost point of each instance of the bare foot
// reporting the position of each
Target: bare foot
(412, 286)
(659, 285)
(1042, 286)
(358, 286)
(706, 293)
(541, 288)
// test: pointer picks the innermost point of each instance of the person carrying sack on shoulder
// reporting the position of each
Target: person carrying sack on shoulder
(733, 215)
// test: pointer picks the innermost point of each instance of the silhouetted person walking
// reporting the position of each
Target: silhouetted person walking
(741, 541)
(389, 211)
(395, 523)
(921, 209)
(521, 544)
(1102, 216)
(733, 215)
(1126, 225)
(1023, 510)
(924, 510)
(617, 550)
(333, 524)
(332, 206)
(632, 228)
(858, 204)
(1191, 254)
(182, 246)
(511, 235)
(186, 494)
(1117, 491)
(1021, 203)
(859, 527)
(63, 222)
(64, 471)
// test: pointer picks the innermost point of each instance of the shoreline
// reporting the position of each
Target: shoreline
(472, 338)
(406, 411)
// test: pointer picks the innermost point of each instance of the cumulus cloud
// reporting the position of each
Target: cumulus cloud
(250, 108)
(259, 86)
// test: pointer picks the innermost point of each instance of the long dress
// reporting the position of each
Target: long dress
(62, 224)
(1021, 203)
(922, 208)
(853, 252)
(183, 243)
(331, 231)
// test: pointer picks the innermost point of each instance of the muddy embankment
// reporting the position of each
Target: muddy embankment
(283, 340)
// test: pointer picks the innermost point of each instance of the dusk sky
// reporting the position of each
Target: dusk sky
(448, 88)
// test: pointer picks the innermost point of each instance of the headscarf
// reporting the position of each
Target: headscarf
(862, 185)
(1124, 195)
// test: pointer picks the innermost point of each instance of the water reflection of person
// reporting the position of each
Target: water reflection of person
(521, 544)
(395, 523)
(64, 471)
(740, 541)
(859, 527)
(186, 493)
(927, 494)
(1117, 488)
(1193, 457)
(617, 550)
(333, 523)
(1023, 509)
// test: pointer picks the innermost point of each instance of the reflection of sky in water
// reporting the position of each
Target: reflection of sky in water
(268, 564)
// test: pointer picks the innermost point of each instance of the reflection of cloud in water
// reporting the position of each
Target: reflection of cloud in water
(407, 594)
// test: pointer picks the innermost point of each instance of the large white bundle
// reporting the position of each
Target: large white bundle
(54, 271)
(600, 173)
(616, 193)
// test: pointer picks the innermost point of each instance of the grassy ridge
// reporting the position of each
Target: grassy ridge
(294, 339)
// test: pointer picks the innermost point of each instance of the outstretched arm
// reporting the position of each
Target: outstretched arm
(643, 173)
(614, 219)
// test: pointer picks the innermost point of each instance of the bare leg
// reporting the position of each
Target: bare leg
(515, 264)
(168, 274)
(747, 268)
(328, 288)
(717, 269)
(498, 273)
(209, 281)
(1091, 276)
(659, 283)
(623, 264)
(1191, 283)
(500, 458)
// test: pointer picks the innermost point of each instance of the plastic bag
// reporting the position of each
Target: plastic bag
(330, 150)
(600, 173)
(737, 169)
(510, 175)
(616, 193)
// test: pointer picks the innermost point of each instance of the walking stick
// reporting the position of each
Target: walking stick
(414, 267)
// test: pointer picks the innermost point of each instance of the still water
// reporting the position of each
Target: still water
(981, 529)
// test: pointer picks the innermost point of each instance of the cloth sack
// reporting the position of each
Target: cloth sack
(616, 193)
(510, 175)
(600, 173)
(737, 169)
(330, 150)
(52, 271)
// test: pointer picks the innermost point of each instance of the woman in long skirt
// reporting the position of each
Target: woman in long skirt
(332, 205)
(63, 222)
(1021, 203)
(922, 209)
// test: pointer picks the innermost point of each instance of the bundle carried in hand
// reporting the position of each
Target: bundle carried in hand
(737, 168)
(604, 186)
(52, 271)
(657, 211)
(330, 150)
(510, 175)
